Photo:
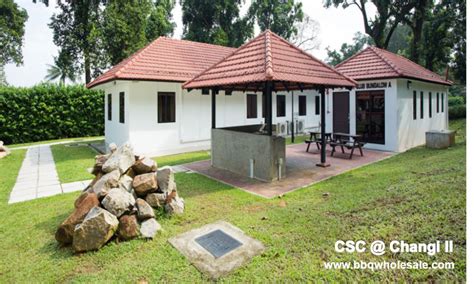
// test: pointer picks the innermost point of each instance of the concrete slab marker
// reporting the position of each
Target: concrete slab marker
(217, 249)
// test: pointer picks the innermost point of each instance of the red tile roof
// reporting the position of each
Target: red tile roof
(269, 57)
(376, 63)
(165, 59)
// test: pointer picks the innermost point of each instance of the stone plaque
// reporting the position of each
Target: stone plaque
(218, 243)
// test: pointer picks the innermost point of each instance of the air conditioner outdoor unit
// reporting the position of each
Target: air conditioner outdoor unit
(281, 129)
(300, 126)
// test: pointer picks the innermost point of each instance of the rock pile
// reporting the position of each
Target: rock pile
(120, 201)
(4, 151)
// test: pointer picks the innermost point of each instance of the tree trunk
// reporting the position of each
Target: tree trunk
(87, 67)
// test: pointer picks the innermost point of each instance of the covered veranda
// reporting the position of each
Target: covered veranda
(266, 64)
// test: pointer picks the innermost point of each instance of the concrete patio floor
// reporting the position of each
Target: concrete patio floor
(300, 170)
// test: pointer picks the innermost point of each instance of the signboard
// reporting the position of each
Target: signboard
(375, 85)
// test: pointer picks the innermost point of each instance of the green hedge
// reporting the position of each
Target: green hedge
(457, 111)
(47, 111)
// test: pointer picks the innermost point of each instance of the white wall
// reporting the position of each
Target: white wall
(411, 132)
(115, 131)
(191, 131)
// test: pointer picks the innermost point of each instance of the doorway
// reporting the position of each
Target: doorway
(340, 118)
(370, 116)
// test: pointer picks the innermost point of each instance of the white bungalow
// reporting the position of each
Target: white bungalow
(146, 106)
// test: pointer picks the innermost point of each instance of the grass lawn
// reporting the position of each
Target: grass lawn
(73, 161)
(417, 196)
(79, 139)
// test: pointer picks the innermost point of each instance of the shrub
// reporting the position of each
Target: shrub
(455, 100)
(47, 111)
(457, 111)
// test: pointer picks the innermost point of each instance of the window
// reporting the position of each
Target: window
(302, 105)
(281, 105)
(430, 105)
(122, 107)
(318, 105)
(442, 102)
(251, 106)
(109, 107)
(205, 91)
(228, 92)
(414, 104)
(437, 102)
(421, 106)
(166, 107)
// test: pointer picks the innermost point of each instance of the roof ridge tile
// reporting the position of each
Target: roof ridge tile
(268, 56)
(386, 60)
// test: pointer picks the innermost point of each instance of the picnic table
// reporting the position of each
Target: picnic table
(349, 141)
(315, 138)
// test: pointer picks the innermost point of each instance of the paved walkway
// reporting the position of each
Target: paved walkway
(301, 170)
(38, 176)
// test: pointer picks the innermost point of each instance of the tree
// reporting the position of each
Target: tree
(160, 22)
(277, 15)
(12, 30)
(3, 77)
(306, 37)
(77, 32)
(458, 32)
(389, 14)
(123, 29)
(416, 21)
(216, 22)
(400, 40)
(360, 41)
(62, 69)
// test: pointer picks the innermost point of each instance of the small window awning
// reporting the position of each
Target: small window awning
(269, 58)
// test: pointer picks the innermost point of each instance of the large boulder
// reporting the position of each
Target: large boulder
(121, 159)
(144, 165)
(165, 179)
(4, 151)
(105, 183)
(118, 201)
(156, 200)
(128, 227)
(144, 184)
(83, 205)
(125, 182)
(144, 210)
(175, 206)
(97, 228)
(149, 228)
(99, 163)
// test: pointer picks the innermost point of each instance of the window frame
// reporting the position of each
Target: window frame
(300, 107)
(430, 105)
(109, 107)
(278, 103)
(442, 102)
(414, 105)
(122, 107)
(317, 104)
(253, 103)
(164, 117)
(422, 109)
(437, 102)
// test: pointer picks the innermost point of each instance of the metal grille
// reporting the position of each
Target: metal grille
(218, 243)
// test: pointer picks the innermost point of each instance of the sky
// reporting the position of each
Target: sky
(336, 26)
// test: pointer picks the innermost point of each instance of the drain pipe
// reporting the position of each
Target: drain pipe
(280, 164)
(251, 167)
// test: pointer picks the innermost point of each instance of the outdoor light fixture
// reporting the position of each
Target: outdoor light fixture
(408, 84)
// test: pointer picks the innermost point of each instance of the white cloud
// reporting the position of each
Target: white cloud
(337, 26)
